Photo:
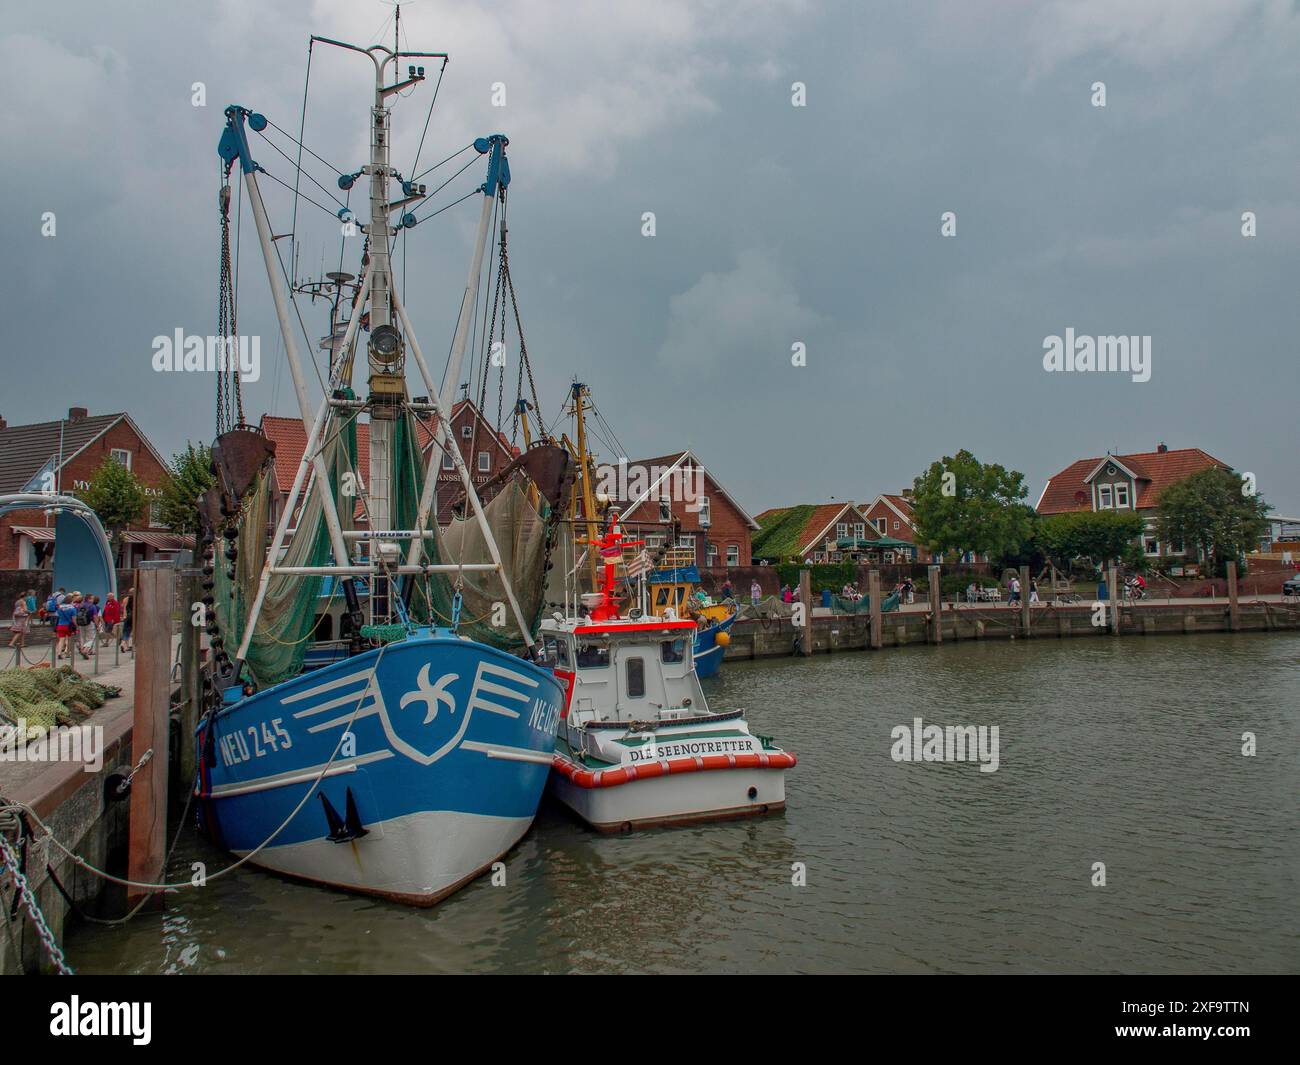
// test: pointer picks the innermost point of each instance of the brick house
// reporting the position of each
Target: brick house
(651, 493)
(63, 456)
(486, 452)
(1126, 482)
(815, 533)
(891, 515)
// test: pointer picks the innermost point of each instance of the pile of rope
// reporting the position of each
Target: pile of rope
(44, 698)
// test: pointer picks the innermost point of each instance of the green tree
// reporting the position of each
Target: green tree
(1213, 510)
(1099, 536)
(117, 497)
(960, 504)
(189, 476)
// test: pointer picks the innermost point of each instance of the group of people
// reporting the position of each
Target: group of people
(78, 620)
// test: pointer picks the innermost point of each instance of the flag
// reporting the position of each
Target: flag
(639, 564)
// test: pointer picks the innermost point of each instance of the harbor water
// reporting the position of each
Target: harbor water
(1125, 752)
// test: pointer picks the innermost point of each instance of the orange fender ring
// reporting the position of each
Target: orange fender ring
(610, 778)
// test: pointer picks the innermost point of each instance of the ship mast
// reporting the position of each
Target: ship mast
(387, 398)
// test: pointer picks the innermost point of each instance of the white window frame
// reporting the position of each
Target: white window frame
(1121, 497)
(841, 530)
(118, 453)
(448, 463)
(1105, 497)
(859, 530)
(485, 462)
(686, 540)
(466, 432)
(705, 517)
(665, 509)
(881, 525)
(711, 554)
(1150, 538)
(155, 515)
(733, 554)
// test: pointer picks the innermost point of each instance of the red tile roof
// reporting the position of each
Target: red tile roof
(1155, 471)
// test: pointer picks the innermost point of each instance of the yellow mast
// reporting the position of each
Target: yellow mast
(580, 393)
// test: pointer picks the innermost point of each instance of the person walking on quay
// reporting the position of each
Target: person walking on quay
(112, 620)
(786, 597)
(85, 622)
(52, 604)
(128, 618)
(1033, 589)
(755, 591)
(65, 626)
(21, 621)
(1013, 590)
(727, 593)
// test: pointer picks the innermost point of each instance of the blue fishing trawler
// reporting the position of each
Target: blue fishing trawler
(409, 751)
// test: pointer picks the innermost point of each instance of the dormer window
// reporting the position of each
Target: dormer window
(1105, 500)
(1121, 497)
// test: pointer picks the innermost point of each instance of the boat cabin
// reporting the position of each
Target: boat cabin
(625, 670)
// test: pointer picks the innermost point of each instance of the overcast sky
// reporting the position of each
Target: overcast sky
(775, 224)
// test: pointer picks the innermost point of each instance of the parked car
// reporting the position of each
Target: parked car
(1291, 586)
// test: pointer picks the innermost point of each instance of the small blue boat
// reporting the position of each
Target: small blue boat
(708, 649)
(402, 772)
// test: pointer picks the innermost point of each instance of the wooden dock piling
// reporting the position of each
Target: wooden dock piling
(805, 597)
(1024, 600)
(1234, 610)
(155, 594)
(936, 605)
(873, 591)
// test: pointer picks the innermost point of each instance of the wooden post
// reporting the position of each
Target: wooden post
(1113, 587)
(936, 605)
(155, 592)
(1234, 611)
(1024, 600)
(805, 597)
(873, 591)
(191, 676)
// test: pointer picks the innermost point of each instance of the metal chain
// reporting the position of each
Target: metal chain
(9, 862)
(145, 759)
(230, 398)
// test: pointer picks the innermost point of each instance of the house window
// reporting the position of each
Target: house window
(122, 457)
(881, 525)
(859, 531)
(1121, 497)
(733, 554)
(636, 678)
(687, 540)
(1176, 548)
(818, 557)
(842, 530)
(1151, 545)
(895, 525)
(889, 558)
(1104, 497)
(466, 432)
(665, 509)
(155, 515)
(654, 541)
(712, 554)
(704, 512)
(484, 462)
(447, 462)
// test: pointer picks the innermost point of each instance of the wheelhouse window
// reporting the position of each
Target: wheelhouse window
(593, 654)
(555, 653)
(671, 651)
(635, 674)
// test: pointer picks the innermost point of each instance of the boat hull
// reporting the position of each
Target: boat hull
(403, 772)
(671, 799)
(707, 651)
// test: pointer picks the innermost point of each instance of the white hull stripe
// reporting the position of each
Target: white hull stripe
(509, 754)
(297, 776)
